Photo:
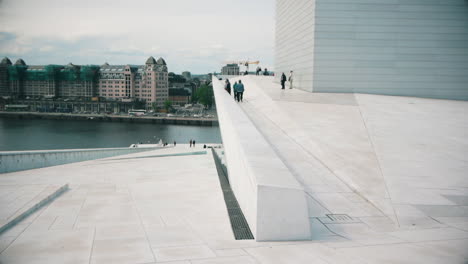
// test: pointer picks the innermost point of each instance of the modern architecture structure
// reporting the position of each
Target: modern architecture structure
(408, 48)
(368, 178)
(230, 69)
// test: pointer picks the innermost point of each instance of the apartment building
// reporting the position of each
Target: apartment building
(148, 83)
(77, 81)
(125, 83)
(4, 82)
(22, 80)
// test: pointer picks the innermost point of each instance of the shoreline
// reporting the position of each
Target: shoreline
(113, 118)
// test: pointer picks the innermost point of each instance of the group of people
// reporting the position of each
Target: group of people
(265, 71)
(192, 142)
(167, 144)
(238, 88)
(290, 79)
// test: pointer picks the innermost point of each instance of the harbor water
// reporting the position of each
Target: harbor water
(35, 134)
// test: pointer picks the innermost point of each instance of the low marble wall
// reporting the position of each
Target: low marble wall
(11, 161)
(271, 199)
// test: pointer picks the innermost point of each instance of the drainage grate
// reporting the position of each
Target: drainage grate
(341, 218)
(239, 225)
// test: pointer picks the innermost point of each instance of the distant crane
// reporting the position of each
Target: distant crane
(243, 63)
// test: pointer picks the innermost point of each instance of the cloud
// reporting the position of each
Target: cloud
(7, 36)
(10, 44)
(191, 35)
(47, 48)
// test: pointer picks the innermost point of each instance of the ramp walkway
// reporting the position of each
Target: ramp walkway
(369, 165)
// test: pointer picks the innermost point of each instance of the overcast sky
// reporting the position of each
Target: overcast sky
(194, 35)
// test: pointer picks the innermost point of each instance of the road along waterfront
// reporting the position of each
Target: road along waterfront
(200, 121)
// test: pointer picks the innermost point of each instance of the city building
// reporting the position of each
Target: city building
(407, 48)
(180, 82)
(78, 81)
(180, 96)
(38, 81)
(148, 83)
(230, 69)
(176, 81)
(22, 80)
(117, 82)
(16, 78)
(124, 83)
(4, 83)
(151, 82)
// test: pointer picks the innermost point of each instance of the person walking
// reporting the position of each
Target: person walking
(257, 72)
(291, 80)
(283, 80)
(190, 143)
(227, 86)
(194, 143)
(236, 93)
(240, 89)
(175, 143)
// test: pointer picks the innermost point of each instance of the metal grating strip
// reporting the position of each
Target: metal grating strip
(340, 218)
(239, 225)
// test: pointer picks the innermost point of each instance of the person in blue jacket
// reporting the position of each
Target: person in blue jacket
(234, 88)
(240, 91)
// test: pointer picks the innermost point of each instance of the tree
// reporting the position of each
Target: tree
(154, 105)
(167, 105)
(204, 95)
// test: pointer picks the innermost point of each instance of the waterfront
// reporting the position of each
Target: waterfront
(121, 117)
(67, 134)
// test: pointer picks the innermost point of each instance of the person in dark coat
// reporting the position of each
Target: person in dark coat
(283, 80)
(240, 91)
(236, 92)
(193, 143)
(257, 72)
(227, 86)
(190, 143)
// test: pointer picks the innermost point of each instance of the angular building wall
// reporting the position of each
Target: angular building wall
(294, 40)
(395, 47)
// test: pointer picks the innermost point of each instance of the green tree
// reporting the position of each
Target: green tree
(167, 105)
(154, 105)
(204, 95)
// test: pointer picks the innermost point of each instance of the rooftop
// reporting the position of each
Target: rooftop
(376, 170)
(384, 179)
(150, 60)
(5, 61)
